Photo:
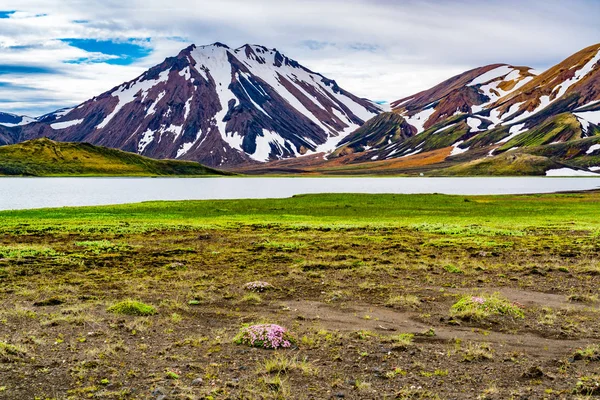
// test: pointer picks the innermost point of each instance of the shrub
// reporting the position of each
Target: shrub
(266, 336)
(481, 307)
(132, 307)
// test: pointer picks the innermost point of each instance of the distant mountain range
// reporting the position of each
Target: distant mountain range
(253, 109)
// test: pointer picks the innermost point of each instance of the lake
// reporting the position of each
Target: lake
(23, 193)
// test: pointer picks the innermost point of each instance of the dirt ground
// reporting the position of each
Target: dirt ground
(370, 309)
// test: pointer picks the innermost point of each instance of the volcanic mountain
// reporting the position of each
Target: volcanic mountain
(216, 105)
(491, 110)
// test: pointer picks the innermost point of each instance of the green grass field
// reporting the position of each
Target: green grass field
(383, 296)
(564, 211)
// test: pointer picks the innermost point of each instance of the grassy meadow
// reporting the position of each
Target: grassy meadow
(382, 296)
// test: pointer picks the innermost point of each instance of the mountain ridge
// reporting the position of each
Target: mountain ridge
(217, 105)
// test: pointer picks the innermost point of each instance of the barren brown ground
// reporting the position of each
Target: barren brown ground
(336, 290)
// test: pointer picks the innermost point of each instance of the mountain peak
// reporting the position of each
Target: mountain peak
(220, 106)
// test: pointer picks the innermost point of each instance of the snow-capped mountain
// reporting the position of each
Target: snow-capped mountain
(487, 111)
(467, 93)
(219, 106)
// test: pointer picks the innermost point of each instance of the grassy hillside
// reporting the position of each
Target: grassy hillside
(44, 157)
(510, 164)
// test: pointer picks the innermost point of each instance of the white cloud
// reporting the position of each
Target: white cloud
(381, 49)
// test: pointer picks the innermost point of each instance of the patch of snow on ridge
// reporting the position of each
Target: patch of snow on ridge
(187, 146)
(146, 139)
(591, 103)
(474, 124)
(419, 119)
(66, 124)
(491, 75)
(514, 131)
(589, 116)
(127, 95)
(263, 145)
(593, 148)
(594, 168)
(457, 150)
(579, 74)
(152, 107)
(215, 62)
(568, 172)
(444, 128)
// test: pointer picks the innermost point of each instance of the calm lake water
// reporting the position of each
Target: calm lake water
(22, 193)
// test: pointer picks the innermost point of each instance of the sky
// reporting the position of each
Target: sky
(59, 53)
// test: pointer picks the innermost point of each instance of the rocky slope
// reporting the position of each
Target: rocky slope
(216, 105)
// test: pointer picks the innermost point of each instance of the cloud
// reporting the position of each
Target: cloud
(380, 49)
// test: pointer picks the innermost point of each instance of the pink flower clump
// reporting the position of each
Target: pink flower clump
(268, 336)
(479, 300)
(258, 286)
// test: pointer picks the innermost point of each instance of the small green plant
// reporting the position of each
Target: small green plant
(402, 341)
(132, 307)
(26, 251)
(403, 301)
(176, 318)
(11, 353)
(362, 385)
(477, 308)
(590, 353)
(453, 269)
(588, 385)
(174, 375)
(104, 381)
(477, 352)
(278, 364)
(583, 298)
(251, 298)
(395, 372)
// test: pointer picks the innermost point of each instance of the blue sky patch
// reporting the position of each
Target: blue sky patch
(6, 14)
(24, 69)
(125, 52)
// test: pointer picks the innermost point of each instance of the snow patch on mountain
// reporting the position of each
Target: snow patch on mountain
(418, 120)
(147, 138)
(66, 124)
(127, 94)
(593, 148)
(457, 150)
(492, 74)
(568, 172)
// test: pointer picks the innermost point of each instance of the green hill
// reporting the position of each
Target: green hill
(44, 157)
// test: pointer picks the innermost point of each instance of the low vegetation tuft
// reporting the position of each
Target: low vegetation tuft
(132, 307)
(476, 308)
